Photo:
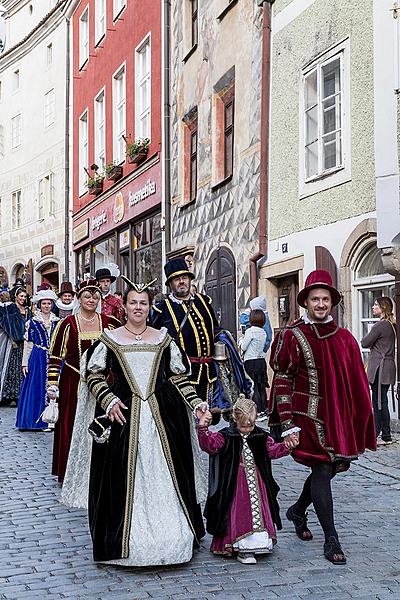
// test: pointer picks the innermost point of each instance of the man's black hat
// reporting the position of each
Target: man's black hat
(104, 274)
(175, 267)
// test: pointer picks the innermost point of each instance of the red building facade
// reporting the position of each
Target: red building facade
(117, 134)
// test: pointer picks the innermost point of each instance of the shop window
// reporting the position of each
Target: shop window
(105, 253)
(147, 249)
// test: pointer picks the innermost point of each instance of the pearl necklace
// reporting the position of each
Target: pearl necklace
(138, 336)
(87, 320)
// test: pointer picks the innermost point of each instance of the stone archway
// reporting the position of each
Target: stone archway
(358, 240)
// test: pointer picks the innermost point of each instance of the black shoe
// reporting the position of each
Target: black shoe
(300, 524)
(333, 552)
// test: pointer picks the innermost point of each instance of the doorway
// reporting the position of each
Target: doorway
(288, 309)
(221, 287)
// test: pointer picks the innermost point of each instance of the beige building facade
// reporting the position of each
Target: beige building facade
(323, 157)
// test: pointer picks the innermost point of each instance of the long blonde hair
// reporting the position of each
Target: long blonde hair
(386, 306)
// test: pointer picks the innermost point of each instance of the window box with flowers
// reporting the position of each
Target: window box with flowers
(113, 171)
(95, 184)
(137, 150)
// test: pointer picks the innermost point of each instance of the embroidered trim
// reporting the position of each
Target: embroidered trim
(252, 483)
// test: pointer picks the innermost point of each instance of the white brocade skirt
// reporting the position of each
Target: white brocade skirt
(160, 533)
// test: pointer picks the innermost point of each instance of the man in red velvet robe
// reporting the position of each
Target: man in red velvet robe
(320, 398)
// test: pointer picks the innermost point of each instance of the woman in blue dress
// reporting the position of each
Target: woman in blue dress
(39, 329)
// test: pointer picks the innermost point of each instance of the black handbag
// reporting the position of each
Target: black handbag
(100, 429)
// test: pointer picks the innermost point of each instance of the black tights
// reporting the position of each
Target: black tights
(317, 490)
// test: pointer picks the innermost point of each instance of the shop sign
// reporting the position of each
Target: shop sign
(124, 238)
(81, 231)
(119, 207)
(99, 220)
(147, 190)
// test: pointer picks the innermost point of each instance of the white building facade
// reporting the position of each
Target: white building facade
(329, 157)
(32, 142)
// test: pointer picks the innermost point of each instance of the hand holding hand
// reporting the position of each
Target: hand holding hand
(291, 441)
(52, 392)
(25, 371)
(116, 413)
(205, 418)
(201, 409)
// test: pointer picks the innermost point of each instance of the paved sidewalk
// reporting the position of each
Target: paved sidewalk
(45, 548)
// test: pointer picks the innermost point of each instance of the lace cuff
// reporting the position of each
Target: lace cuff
(111, 404)
(177, 365)
(290, 431)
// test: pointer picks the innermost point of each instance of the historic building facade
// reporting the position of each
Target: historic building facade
(117, 137)
(329, 163)
(32, 141)
(216, 62)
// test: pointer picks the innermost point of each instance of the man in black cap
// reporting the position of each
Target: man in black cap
(110, 305)
(190, 319)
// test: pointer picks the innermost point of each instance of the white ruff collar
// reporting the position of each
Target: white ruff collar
(177, 300)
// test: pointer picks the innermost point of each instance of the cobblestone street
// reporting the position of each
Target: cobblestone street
(45, 549)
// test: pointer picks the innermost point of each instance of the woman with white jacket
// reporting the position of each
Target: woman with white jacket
(252, 346)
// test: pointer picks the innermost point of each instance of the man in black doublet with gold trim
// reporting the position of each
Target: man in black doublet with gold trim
(191, 321)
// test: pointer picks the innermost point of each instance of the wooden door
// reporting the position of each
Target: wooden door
(221, 286)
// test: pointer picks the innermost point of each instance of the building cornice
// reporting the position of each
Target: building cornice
(39, 31)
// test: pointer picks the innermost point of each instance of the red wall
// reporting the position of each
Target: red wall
(118, 46)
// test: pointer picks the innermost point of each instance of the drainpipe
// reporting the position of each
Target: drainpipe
(264, 151)
(166, 129)
(66, 155)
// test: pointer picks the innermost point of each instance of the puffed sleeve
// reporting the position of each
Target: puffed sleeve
(177, 365)
(96, 374)
(58, 350)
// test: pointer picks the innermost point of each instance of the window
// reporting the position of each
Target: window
(222, 128)
(83, 152)
(84, 37)
(100, 132)
(119, 116)
(325, 125)
(193, 165)
(228, 138)
(323, 118)
(100, 22)
(52, 195)
(41, 201)
(49, 108)
(194, 23)
(118, 6)
(49, 55)
(16, 80)
(46, 196)
(16, 131)
(143, 90)
(1, 141)
(16, 209)
(147, 248)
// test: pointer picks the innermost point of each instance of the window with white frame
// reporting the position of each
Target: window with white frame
(1, 141)
(83, 152)
(49, 54)
(143, 91)
(119, 116)
(323, 118)
(325, 124)
(84, 37)
(49, 108)
(118, 6)
(100, 131)
(100, 20)
(16, 209)
(51, 194)
(41, 200)
(16, 131)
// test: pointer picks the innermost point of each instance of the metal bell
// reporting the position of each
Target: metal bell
(220, 351)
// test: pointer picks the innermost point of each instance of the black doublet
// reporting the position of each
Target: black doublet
(196, 337)
(223, 473)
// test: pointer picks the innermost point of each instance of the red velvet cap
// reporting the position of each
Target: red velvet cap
(90, 284)
(318, 279)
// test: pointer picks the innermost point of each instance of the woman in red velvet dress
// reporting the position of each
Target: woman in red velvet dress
(73, 335)
(242, 511)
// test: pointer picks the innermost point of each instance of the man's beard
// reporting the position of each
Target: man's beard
(181, 293)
